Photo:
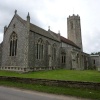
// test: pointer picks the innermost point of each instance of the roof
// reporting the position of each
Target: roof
(94, 55)
(37, 29)
(41, 31)
(45, 33)
(63, 39)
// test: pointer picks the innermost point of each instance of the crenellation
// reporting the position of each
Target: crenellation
(74, 30)
(74, 17)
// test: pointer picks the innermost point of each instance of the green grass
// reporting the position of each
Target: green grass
(83, 93)
(62, 74)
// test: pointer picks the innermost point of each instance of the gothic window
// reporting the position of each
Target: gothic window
(94, 62)
(63, 59)
(40, 49)
(54, 52)
(77, 57)
(13, 44)
(47, 47)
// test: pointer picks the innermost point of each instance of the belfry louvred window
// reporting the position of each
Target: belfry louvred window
(13, 44)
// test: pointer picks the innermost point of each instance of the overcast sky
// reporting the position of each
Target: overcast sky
(54, 13)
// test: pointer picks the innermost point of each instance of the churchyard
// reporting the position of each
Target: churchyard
(61, 74)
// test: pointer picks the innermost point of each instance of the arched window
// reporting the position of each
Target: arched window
(47, 48)
(94, 61)
(77, 57)
(63, 59)
(54, 52)
(40, 48)
(13, 44)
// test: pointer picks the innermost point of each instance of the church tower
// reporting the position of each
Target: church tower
(74, 30)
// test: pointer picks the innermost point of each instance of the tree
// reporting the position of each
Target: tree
(95, 53)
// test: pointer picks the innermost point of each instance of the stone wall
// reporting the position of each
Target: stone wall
(95, 62)
(0, 53)
(40, 63)
(21, 58)
(60, 83)
(74, 30)
(26, 58)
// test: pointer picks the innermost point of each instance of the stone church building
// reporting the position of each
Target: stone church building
(27, 47)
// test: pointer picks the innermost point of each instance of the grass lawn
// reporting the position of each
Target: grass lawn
(83, 93)
(61, 74)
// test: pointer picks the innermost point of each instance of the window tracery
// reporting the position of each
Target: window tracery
(13, 44)
(40, 49)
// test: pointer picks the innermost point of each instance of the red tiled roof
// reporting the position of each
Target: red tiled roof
(63, 39)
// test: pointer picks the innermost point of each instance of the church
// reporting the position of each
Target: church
(27, 47)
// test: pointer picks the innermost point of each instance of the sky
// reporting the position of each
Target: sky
(54, 13)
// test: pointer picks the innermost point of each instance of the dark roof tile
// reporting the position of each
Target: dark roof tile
(46, 33)
(41, 31)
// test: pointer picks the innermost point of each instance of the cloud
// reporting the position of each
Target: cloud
(54, 13)
(91, 41)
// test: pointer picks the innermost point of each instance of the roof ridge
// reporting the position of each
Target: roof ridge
(55, 35)
(38, 26)
(41, 31)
